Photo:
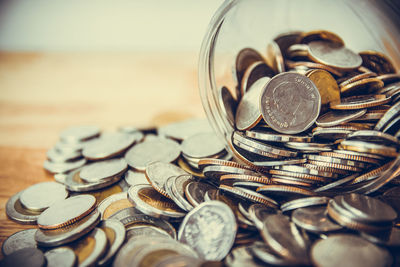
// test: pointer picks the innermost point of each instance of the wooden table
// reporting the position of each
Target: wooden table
(42, 93)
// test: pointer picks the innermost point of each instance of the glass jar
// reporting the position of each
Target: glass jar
(237, 24)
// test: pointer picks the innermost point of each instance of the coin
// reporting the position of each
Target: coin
(309, 147)
(348, 249)
(25, 257)
(160, 149)
(314, 219)
(62, 167)
(280, 108)
(108, 146)
(249, 195)
(55, 155)
(60, 257)
(248, 112)
(158, 172)
(135, 177)
(103, 170)
(202, 145)
(298, 51)
(33, 198)
(178, 185)
(337, 117)
(326, 84)
(113, 204)
(195, 191)
(150, 202)
(304, 203)
(356, 77)
(16, 212)
(275, 58)
(145, 231)
(66, 212)
(272, 136)
(90, 248)
(73, 182)
(262, 252)
(320, 35)
(366, 147)
(368, 85)
(77, 134)
(19, 240)
(228, 105)
(285, 40)
(360, 102)
(189, 169)
(392, 126)
(209, 217)
(254, 72)
(278, 192)
(69, 233)
(377, 62)
(183, 129)
(115, 234)
(389, 78)
(376, 137)
(334, 55)
(312, 65)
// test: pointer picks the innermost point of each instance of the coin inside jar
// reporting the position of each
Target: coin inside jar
(33, 198)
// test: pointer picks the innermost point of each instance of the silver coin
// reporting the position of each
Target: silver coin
(19, 240)
(181, 260)
(393, 126)
(135, 177)
(184, 129)
(279, 162)
(337, 117)
(74, 183)
(271, 136)
(328, 159)
(375, 137)
(258, 213)
(55, 155)
(309, 147)
(256, 151)
(304, 170)
(262, 252)
(158, 172)
(33, 198)
(97, 171)
(66, 211)
(195, 191)
(60, 177)
(284, 238)
(227, 105)
(391, 239)
(393, 112)
(145, 231)
(349, 250)
(240, 256)
(178, 185)
(152, 203)
(202, 145)
(214, 172)
(64, 235)
(336, 183)
(290, 103)
(115, 234)
(60, 257)
(248, 112)
(160, 149)
(108, 146)
(331, 134)
(334, 55)
(77, 134)
(250, 195)
(25, 257)
(303, 203)
(16, 212)
(209, 218)
(109, 201)
(314, 219)
(62, 167)
(275, 58)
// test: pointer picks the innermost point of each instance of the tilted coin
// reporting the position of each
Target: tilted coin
(254, 72)
(73, 182)
(312, 65)
(265, 254)
(281, 109)
(60, 177)
(272, 136)
(67, 234)
(248, 112)
(244, 177)
(359, 102)
(250, 195)
(364, 86)
(319, 35)
(158, 172)
(101, 170)
(90, 248)
(195, 191)
(113, 204)
(19, 240)
(330, 134)
(176, 259)
(393, 112)
(337, 117)
(183, 129)
(285, 40)
(209, 217)
(328, 159)
(228, 105)
(202, 145)
(275, 58)
(389, 78)
(60, 257)
(304, 170)
(336, 183)
(108, 146)
(77, 134)
(349, 250)
(353, 155)
(304, 203)
(356, 77)
(24, 257)
(62, 167)
(367, 147)
(104, 193)
(150, 202)
(314, 219)
(214, 172)
(115, 234)
(393, 126)
(374, 137)
(298, 51)
(135, 177)
(134, 231)
(189, 169)
(33, 198)
(377, 62)
(159, 149)
(16, 212)
(55, 155)
(66, 212)
(278, 192)
(178, 185)
(326, 84)
(334, 55)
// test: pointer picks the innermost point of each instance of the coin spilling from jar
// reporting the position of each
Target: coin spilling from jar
(309, 175)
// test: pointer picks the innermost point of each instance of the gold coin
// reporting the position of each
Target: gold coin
(364, 86)
(326, 84)
(115, 207)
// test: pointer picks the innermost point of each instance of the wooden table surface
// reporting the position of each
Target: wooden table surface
(42, 93)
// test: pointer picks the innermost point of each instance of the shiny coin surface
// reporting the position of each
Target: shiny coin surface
(134, 231)
(16, 212)
(374, 137)
(337, 117)
(62, 167)
(333, 55)
(33, 198)
(19, 240)
(60, 257)
(368, 85)
(281, 109)
(275, 58)
(183, 129)
(195, 191)
(101, 170)
(392, 113)
(108, 146)
(254, 72)
(304, 202)
(314, 219)
(66, 212)
(159, 149)
(115, 233)
(150, 202)
(90, 248)
(367, 147)
(248, 112)
(158, 172)
(79, 133)
(24, 257)
(350, 250)
(113, 204)
(244, 59)
(202, 145)
(272, 136)
(210, 217)
(55, 155)
(249, 195)
(177, 185)
(359, 102)
(135, 177)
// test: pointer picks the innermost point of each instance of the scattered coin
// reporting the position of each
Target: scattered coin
(79, 133)
(60, 257)
(113, 204)
(24, 257)
(115, 234)
(19, 240)
(102, 170)
(33, 198)
(16, 212)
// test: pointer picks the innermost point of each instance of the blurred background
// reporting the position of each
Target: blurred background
(110, 63)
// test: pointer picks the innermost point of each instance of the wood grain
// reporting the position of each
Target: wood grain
(40, 94)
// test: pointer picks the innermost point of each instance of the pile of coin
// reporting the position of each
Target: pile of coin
(312, 180)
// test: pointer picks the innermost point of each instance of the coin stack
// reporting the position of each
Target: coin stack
(313, 179)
